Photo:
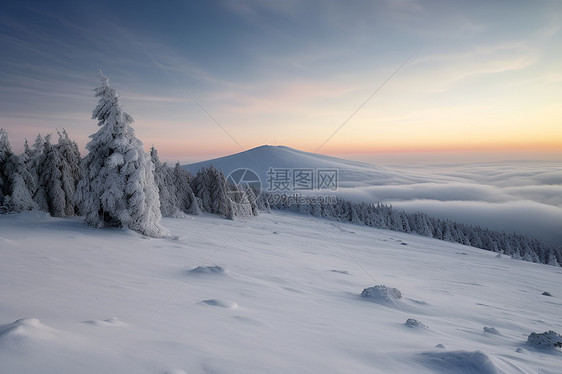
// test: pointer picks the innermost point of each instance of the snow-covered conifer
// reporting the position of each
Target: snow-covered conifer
(201, 188)
(552, 259)
(117, 185)
(183, 181)
(34, 160)
(19, 197)
(50, 178)
(220, 201)
(70, 171)
(5, 154)
(166, 193)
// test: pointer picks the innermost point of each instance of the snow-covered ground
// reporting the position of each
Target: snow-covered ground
(280, 293)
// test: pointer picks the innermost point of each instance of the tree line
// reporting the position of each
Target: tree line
(46, 175)
(117, 183)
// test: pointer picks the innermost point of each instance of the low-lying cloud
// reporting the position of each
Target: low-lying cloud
(512, 197)
(528, 217)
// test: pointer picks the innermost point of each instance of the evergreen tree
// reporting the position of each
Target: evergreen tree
(58, 175)
(552, 259)
(50, 178)
(5, 154)
(20, 197)
(183, 180)
(35, 161)
(117, 185)
(70, 171)
(166, 188)
(201, 187)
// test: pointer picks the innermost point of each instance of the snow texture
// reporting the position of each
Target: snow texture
(491, 330)
(76, 300)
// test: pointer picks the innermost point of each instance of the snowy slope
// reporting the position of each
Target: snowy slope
(276, 294)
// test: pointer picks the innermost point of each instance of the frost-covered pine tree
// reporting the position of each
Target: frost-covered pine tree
(117, 185)
(5, 154)
(34, 160)
(201, 187)
(174, 186)
(215, 195)
(59, 174)
(70, 171)
(552, 259)
(17, 181)
(19, 178)
(182, 180)
(169, 199)
(50, 178)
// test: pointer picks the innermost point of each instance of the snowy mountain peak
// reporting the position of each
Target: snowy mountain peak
(263, 158)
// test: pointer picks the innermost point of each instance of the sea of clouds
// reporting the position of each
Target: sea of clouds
(511, 196)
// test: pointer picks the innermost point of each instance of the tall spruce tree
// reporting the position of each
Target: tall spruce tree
(117, 185)
(70, 171)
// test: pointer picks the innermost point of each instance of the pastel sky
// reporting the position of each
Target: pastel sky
(476, 76)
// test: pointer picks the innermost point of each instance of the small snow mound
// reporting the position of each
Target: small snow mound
(415, 324)
(221, 303)
(492, 330)
(111, 322)
(460, 362)
(440, 346)
(546, 293)
(215, 269)
(521, 350)
(546, 340)
(26, 329)
(381, 293)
